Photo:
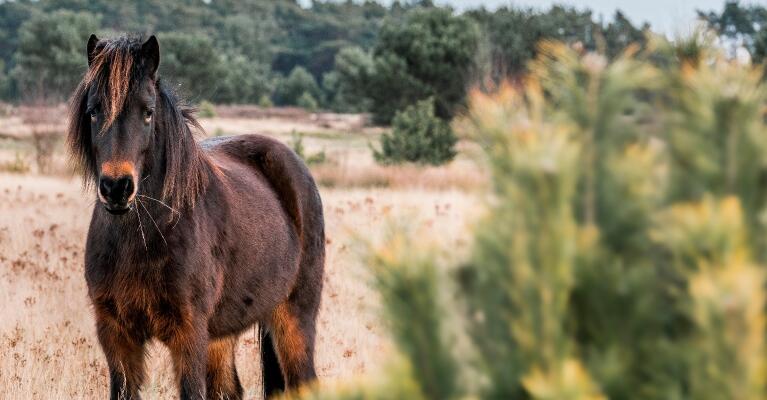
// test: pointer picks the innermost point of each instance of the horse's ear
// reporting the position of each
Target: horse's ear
(91, 51)
(151, 52)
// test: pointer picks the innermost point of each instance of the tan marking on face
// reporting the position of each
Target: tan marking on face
(118, 169)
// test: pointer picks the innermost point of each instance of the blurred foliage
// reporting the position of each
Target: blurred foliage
(19, 164)
(191, 62)
(429, 54)
(368, 57)
(297, 144)
(206, 109)
(621, 254)
(418, 136)
(307, 102)
(50, 60)
(291, 88)
(514, 33)
(345, 86)
(265, 102)
(241, 81)
(743, 24)
(232, 40)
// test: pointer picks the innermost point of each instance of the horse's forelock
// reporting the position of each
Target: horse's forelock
(111, 73)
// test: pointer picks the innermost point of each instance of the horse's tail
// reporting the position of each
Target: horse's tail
(273, 381)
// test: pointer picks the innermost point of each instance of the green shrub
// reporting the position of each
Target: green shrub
(297, 144)
(49, 60)
(345, 87)
(307, 102)
(417, 136)
(206, 110)
(19, 165)
(429, 53)
(290, 89)
(241, 80)
(192, 62)
(265, 102)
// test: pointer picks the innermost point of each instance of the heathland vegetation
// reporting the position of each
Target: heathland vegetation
(622, 253)
(619, 251)
(339, 56)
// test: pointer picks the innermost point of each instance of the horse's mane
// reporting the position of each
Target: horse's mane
(116, 71)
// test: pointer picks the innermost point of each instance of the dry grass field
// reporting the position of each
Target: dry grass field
(48, 348)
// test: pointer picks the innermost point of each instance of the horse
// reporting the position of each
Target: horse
(191, 243)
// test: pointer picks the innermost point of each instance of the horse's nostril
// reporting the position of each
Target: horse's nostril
(116, 190)
(105, 186)
(127, 185)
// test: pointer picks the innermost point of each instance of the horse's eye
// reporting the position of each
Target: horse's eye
(148, 116)
(94, 114)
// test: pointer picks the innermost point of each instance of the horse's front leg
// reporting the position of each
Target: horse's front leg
(189, 349)
(125, 358)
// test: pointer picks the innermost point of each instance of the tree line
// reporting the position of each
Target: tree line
(343, 56)
(277, 51)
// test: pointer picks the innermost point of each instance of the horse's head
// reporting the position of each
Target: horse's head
(112, 123)
(129, 135)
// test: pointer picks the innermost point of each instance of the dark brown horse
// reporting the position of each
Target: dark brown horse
(191, 243)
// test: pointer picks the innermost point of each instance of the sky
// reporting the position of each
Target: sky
(667, 16)
(671, 17)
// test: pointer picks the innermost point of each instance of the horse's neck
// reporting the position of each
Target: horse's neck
(154, 212)
(151, 205)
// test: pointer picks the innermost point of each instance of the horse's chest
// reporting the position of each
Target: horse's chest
(145, 311)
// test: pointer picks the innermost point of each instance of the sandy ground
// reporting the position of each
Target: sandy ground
(48, 348)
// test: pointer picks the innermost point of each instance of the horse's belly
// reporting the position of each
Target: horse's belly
(231, 318)
(258, 254)
(254, 284)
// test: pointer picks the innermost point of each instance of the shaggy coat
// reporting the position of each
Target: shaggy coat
(191, 244)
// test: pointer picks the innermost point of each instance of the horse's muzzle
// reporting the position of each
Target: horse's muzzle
(116, 194)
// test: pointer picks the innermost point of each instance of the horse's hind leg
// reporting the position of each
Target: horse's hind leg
(293, 329)
(222, 380)
(271, 372)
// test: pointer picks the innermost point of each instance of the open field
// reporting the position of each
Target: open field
(48, 348)
(343, 139)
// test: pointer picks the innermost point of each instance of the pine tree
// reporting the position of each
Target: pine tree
(621, 254)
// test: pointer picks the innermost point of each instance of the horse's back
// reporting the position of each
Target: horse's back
(288, 177)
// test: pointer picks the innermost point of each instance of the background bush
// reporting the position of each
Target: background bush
(49, 61)
(191, 62)
(418, 136)
(429, 54)
(291, 88)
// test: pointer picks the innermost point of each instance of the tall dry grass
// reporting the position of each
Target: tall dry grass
(48, 348)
